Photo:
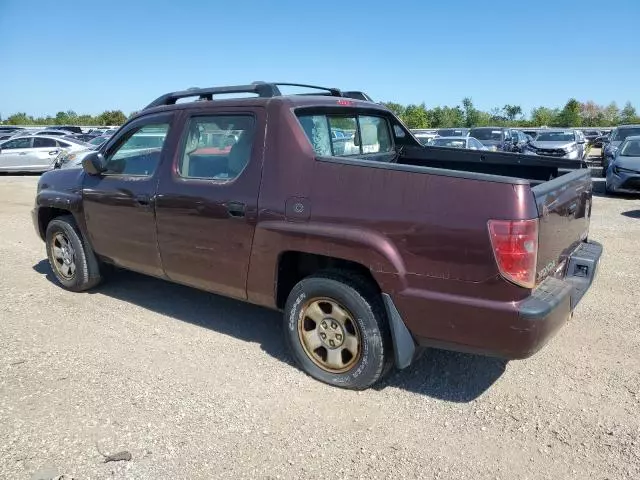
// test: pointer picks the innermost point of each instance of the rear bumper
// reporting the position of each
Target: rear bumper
(512, 330)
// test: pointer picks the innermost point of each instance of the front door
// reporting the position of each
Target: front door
(119, 204)
(207, 204)
(13, 152)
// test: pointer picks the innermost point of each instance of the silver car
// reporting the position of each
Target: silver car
(623, 172)
(569, 144)
(36, 153)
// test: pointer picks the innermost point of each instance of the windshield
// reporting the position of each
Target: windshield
(452, 132)
(486, 134)
(98, 141)
(630, 148)
(449, 142)
(623, 133)
(567, 136)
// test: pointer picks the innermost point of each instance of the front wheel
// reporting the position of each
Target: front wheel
(337, 331)
(72, 260)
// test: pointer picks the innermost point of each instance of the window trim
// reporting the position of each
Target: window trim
(116, 141)
(175, 170)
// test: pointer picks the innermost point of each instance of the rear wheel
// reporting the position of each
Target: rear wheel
(337, 331)
(72, 261)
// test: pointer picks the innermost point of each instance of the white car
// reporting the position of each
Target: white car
(36, 153)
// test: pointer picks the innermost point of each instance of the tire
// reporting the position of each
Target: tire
(335, 293)
(72, 261)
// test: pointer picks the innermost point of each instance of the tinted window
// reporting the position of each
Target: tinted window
(17, 143)
(622, 133)
(486, 134)
(128, 159)
(217, 147)
(364, 134)
(44, 142)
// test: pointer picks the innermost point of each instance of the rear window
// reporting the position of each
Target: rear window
(450, 142)
(567, 136)
(361, 134)
(486, 134)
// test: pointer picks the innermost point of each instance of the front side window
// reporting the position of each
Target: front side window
(217, 147)
(17, 143)
(362, 134)
(134, 156)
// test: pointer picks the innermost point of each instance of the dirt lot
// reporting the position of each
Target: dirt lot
(198, 386)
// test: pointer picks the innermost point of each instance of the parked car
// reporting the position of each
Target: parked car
(84, 137)
(612, 142)
(497, 138)
(565, 143)
(469, 143)
(424, 135)
(36, 153)
(452, 132)
(531, 133)
(623, 173)
(409, 247)
(592, 137)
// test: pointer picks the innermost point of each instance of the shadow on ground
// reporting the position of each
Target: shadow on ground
(632, 213)
(448, 376)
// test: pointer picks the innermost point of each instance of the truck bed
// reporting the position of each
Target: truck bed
(536, 169)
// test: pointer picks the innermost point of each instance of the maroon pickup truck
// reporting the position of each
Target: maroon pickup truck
(372, 245)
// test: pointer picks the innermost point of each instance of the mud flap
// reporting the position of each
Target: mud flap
(404, 347)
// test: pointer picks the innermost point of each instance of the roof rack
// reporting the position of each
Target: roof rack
(262, 89)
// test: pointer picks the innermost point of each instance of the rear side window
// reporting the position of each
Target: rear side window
(17, 143)
(44, 142)
(217, 147)
(347, 135)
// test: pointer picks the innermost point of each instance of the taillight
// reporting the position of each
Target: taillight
(515, 246)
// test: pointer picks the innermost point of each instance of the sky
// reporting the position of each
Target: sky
(94, 56)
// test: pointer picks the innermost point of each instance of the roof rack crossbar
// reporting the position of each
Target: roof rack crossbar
(262, 89)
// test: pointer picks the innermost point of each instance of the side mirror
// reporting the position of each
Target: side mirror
(94, 163)
(581, 141)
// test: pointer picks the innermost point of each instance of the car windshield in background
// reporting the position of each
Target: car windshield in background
(631, 149)
(452, 132)
(623, 133)
(98, 140)
(76, 141)
(449, 142)
(556, 137)
(486, 134)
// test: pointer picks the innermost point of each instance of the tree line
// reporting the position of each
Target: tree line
(108, 117)
(573, 114)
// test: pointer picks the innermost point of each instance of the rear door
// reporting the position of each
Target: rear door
(564, 207)
(43, 153)
(208, 201)
(119, 204)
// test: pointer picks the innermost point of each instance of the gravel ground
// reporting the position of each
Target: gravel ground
(198, 386)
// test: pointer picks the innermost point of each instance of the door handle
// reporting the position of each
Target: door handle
(54, 152)
(235, 209)
(142, 200)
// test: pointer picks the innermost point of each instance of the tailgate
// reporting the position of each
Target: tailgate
(564, 208)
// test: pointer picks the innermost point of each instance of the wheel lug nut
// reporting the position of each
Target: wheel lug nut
(334, 325)
(332, 343)
(323, 335)
(324, 324)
